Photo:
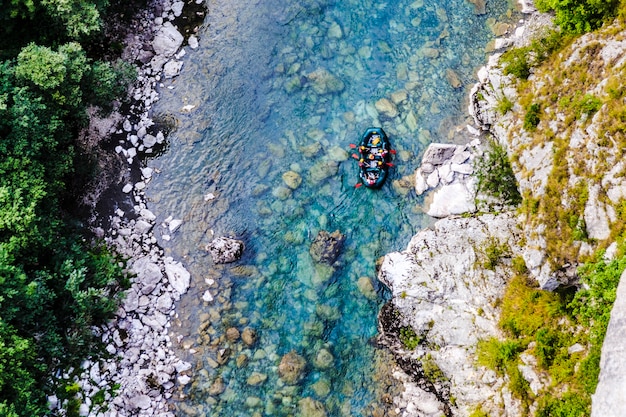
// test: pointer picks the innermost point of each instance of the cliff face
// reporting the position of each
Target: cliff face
(564, 132)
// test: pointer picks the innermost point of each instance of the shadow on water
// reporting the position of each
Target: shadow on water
(277, 91)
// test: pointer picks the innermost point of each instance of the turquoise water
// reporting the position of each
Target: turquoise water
(265, 110)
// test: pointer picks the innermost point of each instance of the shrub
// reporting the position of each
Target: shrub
(532, 117)
(496, 354)
(409, 338)
(580, 16)
(495, 178)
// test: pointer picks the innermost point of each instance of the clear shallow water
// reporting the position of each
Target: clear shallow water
(258, 113)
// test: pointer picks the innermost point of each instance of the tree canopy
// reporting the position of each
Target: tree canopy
(55, 283)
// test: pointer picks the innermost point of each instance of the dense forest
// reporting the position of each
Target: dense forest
(56, 281)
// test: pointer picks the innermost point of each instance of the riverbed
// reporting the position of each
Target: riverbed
(264, 112)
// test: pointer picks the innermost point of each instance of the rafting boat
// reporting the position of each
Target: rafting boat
(374, 157)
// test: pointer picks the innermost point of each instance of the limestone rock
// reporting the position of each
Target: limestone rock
(167, 40)
(225, 250)
(437, 153)
(611, 390)
(437, 288)
(452, 199)
(326, 247)
(178, 276)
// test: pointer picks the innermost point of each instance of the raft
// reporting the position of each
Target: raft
(374, 157)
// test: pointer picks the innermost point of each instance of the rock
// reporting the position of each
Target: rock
(172, 68)
(140, 401)
(611, 390)
(193, 42)
(217, 387)
(225, 250)
(326, 247)
(452, 199)
(174, 225)
(292, 179)
(178, 276)
(167, 40)
(437, 153)
(440, 290)
(232, 334)
(183, 379)
(148, 274)
(386, 108)
(291, 368)
(256, 378)
(249, 336)
(420, 182)
(324, 359)
(334, 31)
(479, 6)
(338, 154)
(324, 82)
(308, 407)
(366, 288)
(177, 8)
(453, 78)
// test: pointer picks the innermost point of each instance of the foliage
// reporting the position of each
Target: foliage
(504, 104)
(493, 252)
(532, 117)
(432, 372)
(580, 16)
(519, 61)
(570, 405)
(409, 338)
(495, 178)
(497, 355)
(55, 284)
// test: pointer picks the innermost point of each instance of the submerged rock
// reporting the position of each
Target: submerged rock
(291, 368)
(324, 82)
(327, 246)
(225, 250)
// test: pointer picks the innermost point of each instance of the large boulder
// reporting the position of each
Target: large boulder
(225, 250)
(167, 41)
(327, 246)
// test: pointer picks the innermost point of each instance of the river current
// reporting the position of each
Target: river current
(264, 111)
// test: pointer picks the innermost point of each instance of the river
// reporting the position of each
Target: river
(264, 113)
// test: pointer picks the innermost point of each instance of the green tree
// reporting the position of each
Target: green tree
(580, 16)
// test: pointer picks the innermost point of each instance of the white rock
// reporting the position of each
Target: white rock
(174, 225)
(167, 40)
(147, 214)
(207, 297)
(172, 68)
(193, 42)
(177, 8)
(450, 200)
(178, 276)
(127, 188)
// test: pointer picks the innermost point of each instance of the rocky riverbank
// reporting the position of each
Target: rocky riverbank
(446, 287)
(448, 284)
(142, 369)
